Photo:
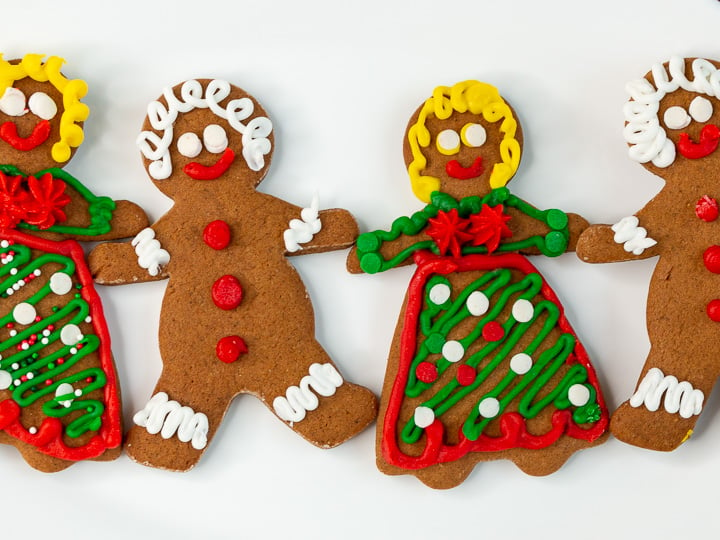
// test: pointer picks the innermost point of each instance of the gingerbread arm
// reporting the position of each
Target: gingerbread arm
(388, 250)
(128, 219)
(626, 240)
(316, 231)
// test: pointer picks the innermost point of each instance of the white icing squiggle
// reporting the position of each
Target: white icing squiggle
(301, 231)
(156, 148)
(166, 417)
(150, 255)
(647, 138)
(292, 407)
(679, 396)
(633, 238)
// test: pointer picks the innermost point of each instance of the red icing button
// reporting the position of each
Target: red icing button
(492, 331)
(711, 258)
(466, 375)
(230, 348)
(217, 234)
(227, 292)
(707, 208)
(713, 310)
(426, 372)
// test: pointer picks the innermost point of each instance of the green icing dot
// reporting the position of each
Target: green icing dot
(556, 219)
(435, 342)
(368, 242)
(555, 242)
(497, 196)
(371, 263)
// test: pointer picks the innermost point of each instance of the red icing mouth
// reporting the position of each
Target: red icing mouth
(40, 134)
(455, 170)
(196, 171)
(709, 139)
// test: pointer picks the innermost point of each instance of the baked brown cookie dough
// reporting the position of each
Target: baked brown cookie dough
(236, 317)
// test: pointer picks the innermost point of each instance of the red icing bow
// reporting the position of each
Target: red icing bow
(35, 201)
(450, 232)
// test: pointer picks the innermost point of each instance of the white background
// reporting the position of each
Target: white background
(340, 80)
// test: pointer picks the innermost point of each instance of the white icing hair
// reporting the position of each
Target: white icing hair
(255, 142)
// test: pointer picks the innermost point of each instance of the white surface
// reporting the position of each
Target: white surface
(340, 80)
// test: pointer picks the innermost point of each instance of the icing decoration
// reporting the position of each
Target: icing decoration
(711, 258)
(455, 170)
(448, 142)
(301, 231)
(707, 208)
(633, 238)
(523, 310)
(453, 351)
(60, 283)
(40, 134)
(38, 363)
(161, 415)
(477, 303)
(197, 171)
(230, 348)
(150, 255)
(227, 292)
(488, 227)
(426, 372)
(713, 310)
(473, 135)
(324, 379)
(217, 234)
(477, 98)
(546, 373)
(679, 396)
(12, 102)
(189, 145)
(156, 147)
(448, 231)
(676, 118)
(700, 109)
(709, 139)
(72, 90)
(42, 106)
(215, 139)
(439, 294)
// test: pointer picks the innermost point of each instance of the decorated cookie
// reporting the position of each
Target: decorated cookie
(236, 317)
(484, 364)
(59, 400)
(671, 127)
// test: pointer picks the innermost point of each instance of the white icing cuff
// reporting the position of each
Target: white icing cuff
(633, 238)
(166, 417)
(301, 231)
(679, 396)
(150, 255)
(293, 407)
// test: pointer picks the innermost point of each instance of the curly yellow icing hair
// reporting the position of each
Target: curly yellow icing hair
(477, 98)
(72, 90)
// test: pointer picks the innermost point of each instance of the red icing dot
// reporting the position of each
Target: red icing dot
(217, 234)
(466, 375)
(227, 292)
(426, 372)
(713, 310)
(711, 258)
(492, 331)
(707, 209)
(230, 348)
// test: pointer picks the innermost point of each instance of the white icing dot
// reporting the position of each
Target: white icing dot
(474, 135)
(523, 310)
(24, 346)
(88, 319)
(30, 375)
(60, 283)
(521, 363)
(17, 382)
(44, 341)
(37, 271)
(215, 138)
(73, 350)
(42, 105)
(46, 333)
(13, 333)
(477, 303)
(700, 109)
(70, 334)
(424, 416)
(13, 271)
(12, 102)
(453, 351)
(15, 365)
(4, 244)
(24, 313)
(189, 144)
(448, 140)
(32, 430)
(78, 392)
(578, 394)
(9, 291)
(64, 389)
(5, 380)
(16, 286)
(439, 293)
(676, 118)
(489, 407)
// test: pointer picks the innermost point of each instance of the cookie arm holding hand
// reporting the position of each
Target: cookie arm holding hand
(315, 231)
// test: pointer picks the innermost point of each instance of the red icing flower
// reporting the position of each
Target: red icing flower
(488, 227)
(448, 230)
(12, 200)
(46, 202)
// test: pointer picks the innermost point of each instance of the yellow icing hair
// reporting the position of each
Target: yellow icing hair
(32, 65)
(477, 98)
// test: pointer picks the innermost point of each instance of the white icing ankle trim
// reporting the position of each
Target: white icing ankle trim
(150, 255)
(292, 407)
(167, 417)
(633, 238)
(679, 396)
(303, 230)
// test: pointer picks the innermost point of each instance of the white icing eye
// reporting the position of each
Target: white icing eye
(473, 135)
(700, 109)
(215, 138)
(13, 102)
(189, 145)
(42, 105)
(448, 142)
(676, 118)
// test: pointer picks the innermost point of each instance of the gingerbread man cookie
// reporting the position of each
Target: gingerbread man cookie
(236, 317)
(59, 400)
(672, 120)
(484, 365)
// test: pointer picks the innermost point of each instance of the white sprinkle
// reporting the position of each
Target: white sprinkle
(5, 380)
(37, 272)
(70, 334)
(16, 286)
(13, 333)
(523, 311)
(578, 394)
(453, 351)
(15, 365)
(521, 363)
(9, 291)
(24, 346)
(477, 303)
(88, 319)
(13, 271)
(439, 293)
(4, 244)
(30, 375)
(489, 407)
(60, 283)
(32, 430)
(73, 350)
(24, 313)
(46, 333)
(44, 341)
(424, 416)
(78, 392)
(17, 382)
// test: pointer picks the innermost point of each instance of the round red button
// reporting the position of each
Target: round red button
(711, 258)
(217, 234)
(230, 348)
(227, 292)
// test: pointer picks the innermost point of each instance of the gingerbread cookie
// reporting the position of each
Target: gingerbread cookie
(672, 120)
(236, 317)
(484, 365)
(59, 400)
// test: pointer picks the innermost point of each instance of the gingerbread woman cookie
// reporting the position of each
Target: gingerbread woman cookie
(59, 400)
(672, 120)
(236, 317)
